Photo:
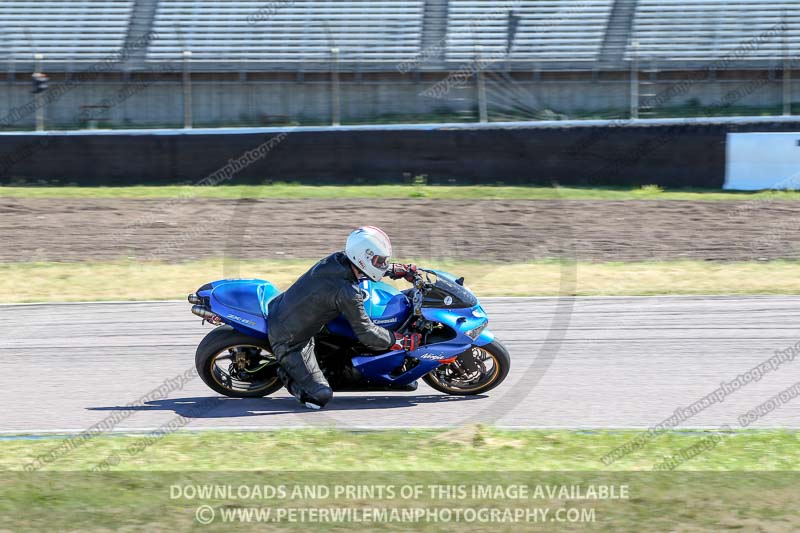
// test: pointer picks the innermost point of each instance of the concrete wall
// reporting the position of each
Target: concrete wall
(146, 103)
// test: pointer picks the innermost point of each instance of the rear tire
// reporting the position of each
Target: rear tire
(221, 344)
(437, 378)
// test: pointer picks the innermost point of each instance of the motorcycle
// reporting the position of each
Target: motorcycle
(458, 354)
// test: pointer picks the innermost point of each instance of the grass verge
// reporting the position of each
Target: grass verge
(293, 479)
(129, 280)
(461, 192)
(468, 448)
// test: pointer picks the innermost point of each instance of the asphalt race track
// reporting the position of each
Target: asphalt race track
(577, 363)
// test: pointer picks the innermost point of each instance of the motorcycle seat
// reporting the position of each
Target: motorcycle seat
(249, 297)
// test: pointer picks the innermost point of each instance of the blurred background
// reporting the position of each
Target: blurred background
(221, 63)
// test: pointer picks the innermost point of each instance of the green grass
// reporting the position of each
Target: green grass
(151, 280)
(293, 191)
(469, 448)
(749, 480)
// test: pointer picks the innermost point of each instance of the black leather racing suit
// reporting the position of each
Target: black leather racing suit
(320, 295)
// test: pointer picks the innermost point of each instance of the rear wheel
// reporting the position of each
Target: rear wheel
(476, 371)
(237, 365)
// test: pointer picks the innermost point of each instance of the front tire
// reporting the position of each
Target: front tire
(492, 362)
(237, 365)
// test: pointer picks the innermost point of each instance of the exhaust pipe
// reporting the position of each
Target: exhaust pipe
(207, 315)
(194, 299)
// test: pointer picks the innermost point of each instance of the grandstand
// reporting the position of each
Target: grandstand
(671, 30)
(699, 30)
(364, 31)
(63, 31)
(362, 34)
(548, 30)
(252, 62)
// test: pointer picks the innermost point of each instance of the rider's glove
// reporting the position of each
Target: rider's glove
(399, 270)
(408, 342)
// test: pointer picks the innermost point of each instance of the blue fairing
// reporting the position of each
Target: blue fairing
(484, 338)
(243, 305)
(486, 335)
(379, 369)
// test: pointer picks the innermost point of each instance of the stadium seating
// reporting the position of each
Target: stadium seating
(549, 30)
(63, 30)
(674, 30)
(293, 33)
(288, 30)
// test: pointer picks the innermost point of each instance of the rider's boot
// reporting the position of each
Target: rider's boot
(315, 400)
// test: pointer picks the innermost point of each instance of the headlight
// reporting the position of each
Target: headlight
(478, 312)
(473, 333)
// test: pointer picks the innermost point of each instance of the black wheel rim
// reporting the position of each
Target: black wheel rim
(244, 368)
(454, 378)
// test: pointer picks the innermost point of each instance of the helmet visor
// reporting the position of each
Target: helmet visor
(380, 261)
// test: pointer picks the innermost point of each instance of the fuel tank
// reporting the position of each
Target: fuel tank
(385, 305)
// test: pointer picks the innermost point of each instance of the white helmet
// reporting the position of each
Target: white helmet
(369, 249)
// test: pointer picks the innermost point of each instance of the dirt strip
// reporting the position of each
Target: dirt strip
(184, 229)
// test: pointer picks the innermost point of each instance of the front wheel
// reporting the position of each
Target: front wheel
(475, 371)
(236, 365)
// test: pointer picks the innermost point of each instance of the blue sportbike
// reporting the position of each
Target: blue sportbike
(458, 355)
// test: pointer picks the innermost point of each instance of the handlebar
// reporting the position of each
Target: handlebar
(418, 290)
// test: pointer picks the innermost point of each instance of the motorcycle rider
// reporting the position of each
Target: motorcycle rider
(328, 289)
